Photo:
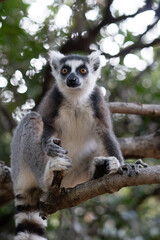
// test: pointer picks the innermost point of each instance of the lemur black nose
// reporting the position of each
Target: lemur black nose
(73, 81)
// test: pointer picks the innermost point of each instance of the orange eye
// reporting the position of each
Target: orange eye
(83, 70)
(64, 71)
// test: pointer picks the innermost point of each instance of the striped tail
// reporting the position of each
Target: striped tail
(29, 225)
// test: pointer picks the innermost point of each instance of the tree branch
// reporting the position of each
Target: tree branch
(70, 197)
(57, 199)
(135, 108)
(141, 147)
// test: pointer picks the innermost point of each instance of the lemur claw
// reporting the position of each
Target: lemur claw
(132, 167)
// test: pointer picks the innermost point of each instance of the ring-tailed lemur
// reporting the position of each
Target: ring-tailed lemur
(75, 114)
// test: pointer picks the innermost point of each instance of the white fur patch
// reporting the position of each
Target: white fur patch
(103, 91)
(58, 164)
(75, 126)
(112, 163)
(31, 216)
(54, 164)
(94, 55)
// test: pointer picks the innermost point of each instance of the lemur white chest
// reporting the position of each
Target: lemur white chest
(76, 127)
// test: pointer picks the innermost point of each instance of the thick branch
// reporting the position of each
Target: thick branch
(57, 199)
(67, 198)
(135, 108)
(141, 147)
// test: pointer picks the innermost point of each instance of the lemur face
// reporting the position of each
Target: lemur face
(75, 73)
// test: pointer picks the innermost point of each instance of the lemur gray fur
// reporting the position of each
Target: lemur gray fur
(71, 132)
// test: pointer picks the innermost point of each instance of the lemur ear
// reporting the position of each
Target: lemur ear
(95, 60)
(54, 59)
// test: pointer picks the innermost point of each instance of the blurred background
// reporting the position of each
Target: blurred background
(128, 34)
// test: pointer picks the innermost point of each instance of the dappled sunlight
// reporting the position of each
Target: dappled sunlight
(92, 14)
(3, 82)
(127, 7)
(139, 23)
(66, 12)
(127, 35)
(133, 61)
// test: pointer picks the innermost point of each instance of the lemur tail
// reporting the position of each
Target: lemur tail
(29, 225)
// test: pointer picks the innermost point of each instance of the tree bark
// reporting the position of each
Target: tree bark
(70, 197)
(141, 147)
(57, 199)
(135, 108)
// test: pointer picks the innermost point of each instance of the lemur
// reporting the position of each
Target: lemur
(71, 132)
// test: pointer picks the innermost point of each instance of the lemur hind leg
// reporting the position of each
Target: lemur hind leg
(133, 167)
(105, 165)
(109, 165)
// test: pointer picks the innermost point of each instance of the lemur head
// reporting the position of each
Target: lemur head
(75, 75)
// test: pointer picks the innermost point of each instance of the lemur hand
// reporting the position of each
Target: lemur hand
(53, 148)
(57, 161)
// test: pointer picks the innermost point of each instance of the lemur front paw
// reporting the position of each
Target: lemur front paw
(57, 160)
(53, 148)
(59, 164)
(52, 167)
(105, 165)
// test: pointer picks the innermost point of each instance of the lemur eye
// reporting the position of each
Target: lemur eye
(64, 71)
(83, 70)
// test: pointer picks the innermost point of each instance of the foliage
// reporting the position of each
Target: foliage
(28, 29)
